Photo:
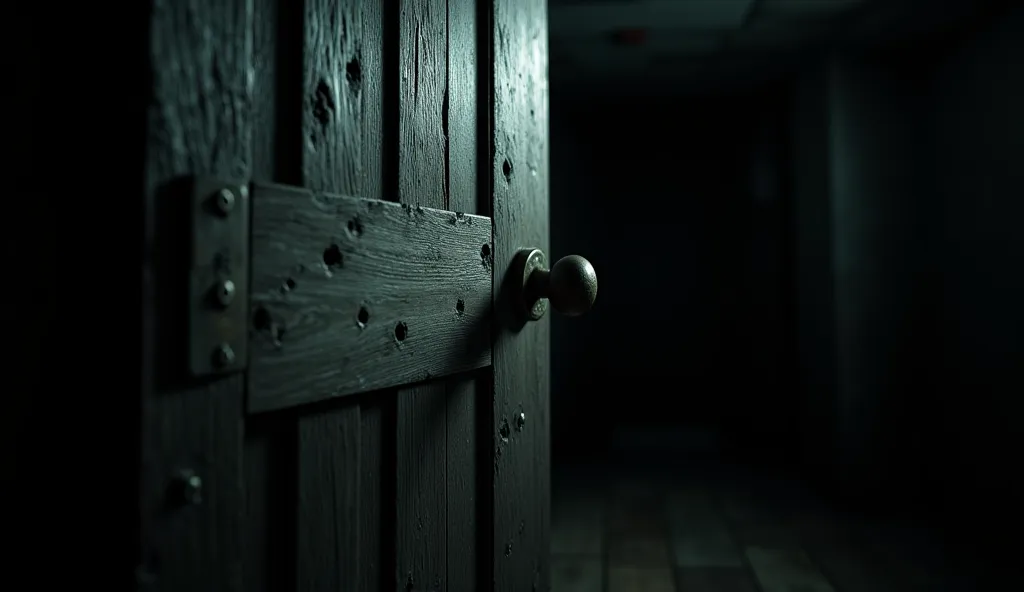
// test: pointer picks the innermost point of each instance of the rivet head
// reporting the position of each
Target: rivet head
(188, 488)
(225, 292)
(521, 421)
(225, 201)
(223, 356)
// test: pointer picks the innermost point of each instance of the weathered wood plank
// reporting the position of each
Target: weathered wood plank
(199, 124)
(352, 295)
(271, 441)
(421, 442)
(371, 511)
(327, 551)
(421, 512)
(521, 487)
(461, 491)
(331, 462)
(374, 461)
(463, 195)
(270, 490)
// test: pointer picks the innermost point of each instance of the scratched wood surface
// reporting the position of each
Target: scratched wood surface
(421, 469)
(369, 293)
(468, 441)
(271, 441)
(372, 442)
(338, 119)
(521, 490)
(200, 123)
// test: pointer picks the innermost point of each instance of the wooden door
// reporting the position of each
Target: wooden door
(380, 421)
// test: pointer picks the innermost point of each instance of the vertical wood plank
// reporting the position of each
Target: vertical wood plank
(462, 162)
(373, 458)
(421, 430)
(327, 552)
(332, 549)
(462, 484)
(371, 491)
(371, 73)
(520, 356)
(270, 440)
(270, 488)
(199, 123)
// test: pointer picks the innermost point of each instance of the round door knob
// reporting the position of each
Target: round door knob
(570, 285)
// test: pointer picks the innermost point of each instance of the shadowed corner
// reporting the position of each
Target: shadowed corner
(168, 263)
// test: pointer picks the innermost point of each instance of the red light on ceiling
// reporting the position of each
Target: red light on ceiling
(629, 36)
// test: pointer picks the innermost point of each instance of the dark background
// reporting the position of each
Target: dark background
(814, 264)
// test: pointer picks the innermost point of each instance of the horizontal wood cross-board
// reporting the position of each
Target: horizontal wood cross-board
(352, 295)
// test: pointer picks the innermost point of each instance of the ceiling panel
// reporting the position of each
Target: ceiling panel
(600, 56)
(598, 18)
(657, 41)
(798, 9)
(767, 35)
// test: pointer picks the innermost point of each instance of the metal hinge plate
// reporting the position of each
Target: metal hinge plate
(218, 277)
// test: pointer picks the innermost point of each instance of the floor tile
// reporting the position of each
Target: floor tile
(639, 552)
(700, 536)
(635, 518)
(576, 574)
(786, 571)
(577, 528)
(634, 579)
(715, 579)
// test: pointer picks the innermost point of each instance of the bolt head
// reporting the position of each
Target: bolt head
(189, 487)
(225, 201)
(225, 292)
(224, 356)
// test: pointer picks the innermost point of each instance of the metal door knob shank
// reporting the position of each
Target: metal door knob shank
(570, 285)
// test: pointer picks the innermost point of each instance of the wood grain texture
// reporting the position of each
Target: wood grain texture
(199, 123)
(521, 487)
(330, 551)
(356, 295)
(421, 412)
(372, 508)
(327, 551)
(463, 540)
(270, 501)
(271, 441)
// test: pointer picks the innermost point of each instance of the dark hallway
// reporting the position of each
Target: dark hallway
(804, 367)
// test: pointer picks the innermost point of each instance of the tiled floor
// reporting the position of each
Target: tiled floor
(612, 533)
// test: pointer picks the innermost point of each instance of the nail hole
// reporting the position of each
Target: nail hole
(460, 306)
(323, 103)
(485, 251)
(333, 256)
(355, 227)
(261, 319)
(363, 317)
(506, 169)
(505, 430)
(354, 71)
(289, 284)
(401, 331)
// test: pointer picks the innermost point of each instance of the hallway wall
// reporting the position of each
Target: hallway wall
(978, 150)
(908, 245)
